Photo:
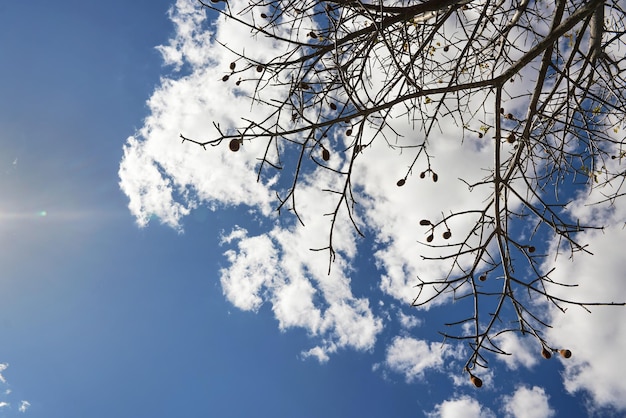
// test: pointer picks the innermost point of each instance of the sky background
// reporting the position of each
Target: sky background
(100, 317)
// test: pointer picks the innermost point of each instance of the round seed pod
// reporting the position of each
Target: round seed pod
(446, 48)
(333, 106)
(545, 353)
(259, 68)
(349, 132)
(233, 65)
(263, 15)
(430, 238)
(401, 182)
(509, 115)
(234, 145)
(531, 249)
(511, 138)
(565, 353)
(476, 381)
(482, 277)
(422, 174)
(225, 78)
(425, 222)
(447, 235)
(435, 177)
(325, 154)
(480, 134)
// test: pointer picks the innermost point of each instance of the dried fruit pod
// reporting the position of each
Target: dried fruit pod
(446, 48)
(401, 182)
(435, 177)
(234, 145)
(531, 249)
(325, 154)
(313, 35)
(333, 106)
(425, 222)
(422, 174)
(480, 134)
(430, 238)
(225, 78)
(565, 353)
(447, 234)
(476, 381)
(509, 116)
(545, 353)
(511, 138)
(349, 132)
(233, 65)
(482, 277)
(263, 15)
(259, 68)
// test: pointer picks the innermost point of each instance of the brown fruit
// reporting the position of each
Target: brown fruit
(225, 78)
(349, 132)
(233, 65)
(312, 35)
(509, 115)
(430, 238)
(263, 15)
(425, 222)
(565, 353)
(446, 48)
(259, 68)
(447, 235)
(435, 177)
(234, 145)
(333, 106)
(401, 182)
(511, 138)
(482, 277)
(476, 381)
(325, 154)
(545, 353)
(531, 249)
(422, 174)
(480, 134)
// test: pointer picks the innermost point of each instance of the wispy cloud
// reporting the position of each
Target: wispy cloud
(24, 405)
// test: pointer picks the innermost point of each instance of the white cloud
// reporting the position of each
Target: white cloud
(523, 351)
(597, 340)
(461, 407)
(3, 367)
(528, 403)
(408, 321)
(24, 405)
(165, 180)
(412, 357)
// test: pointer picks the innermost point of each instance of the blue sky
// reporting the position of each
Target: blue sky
(107, 312)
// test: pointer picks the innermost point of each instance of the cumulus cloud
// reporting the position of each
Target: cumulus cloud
(413, 357)
(528, 403)
(165, 180)
(520, 351)
(462, 407)
(597, 339)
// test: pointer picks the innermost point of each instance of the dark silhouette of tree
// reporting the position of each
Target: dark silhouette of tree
(349, 68)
